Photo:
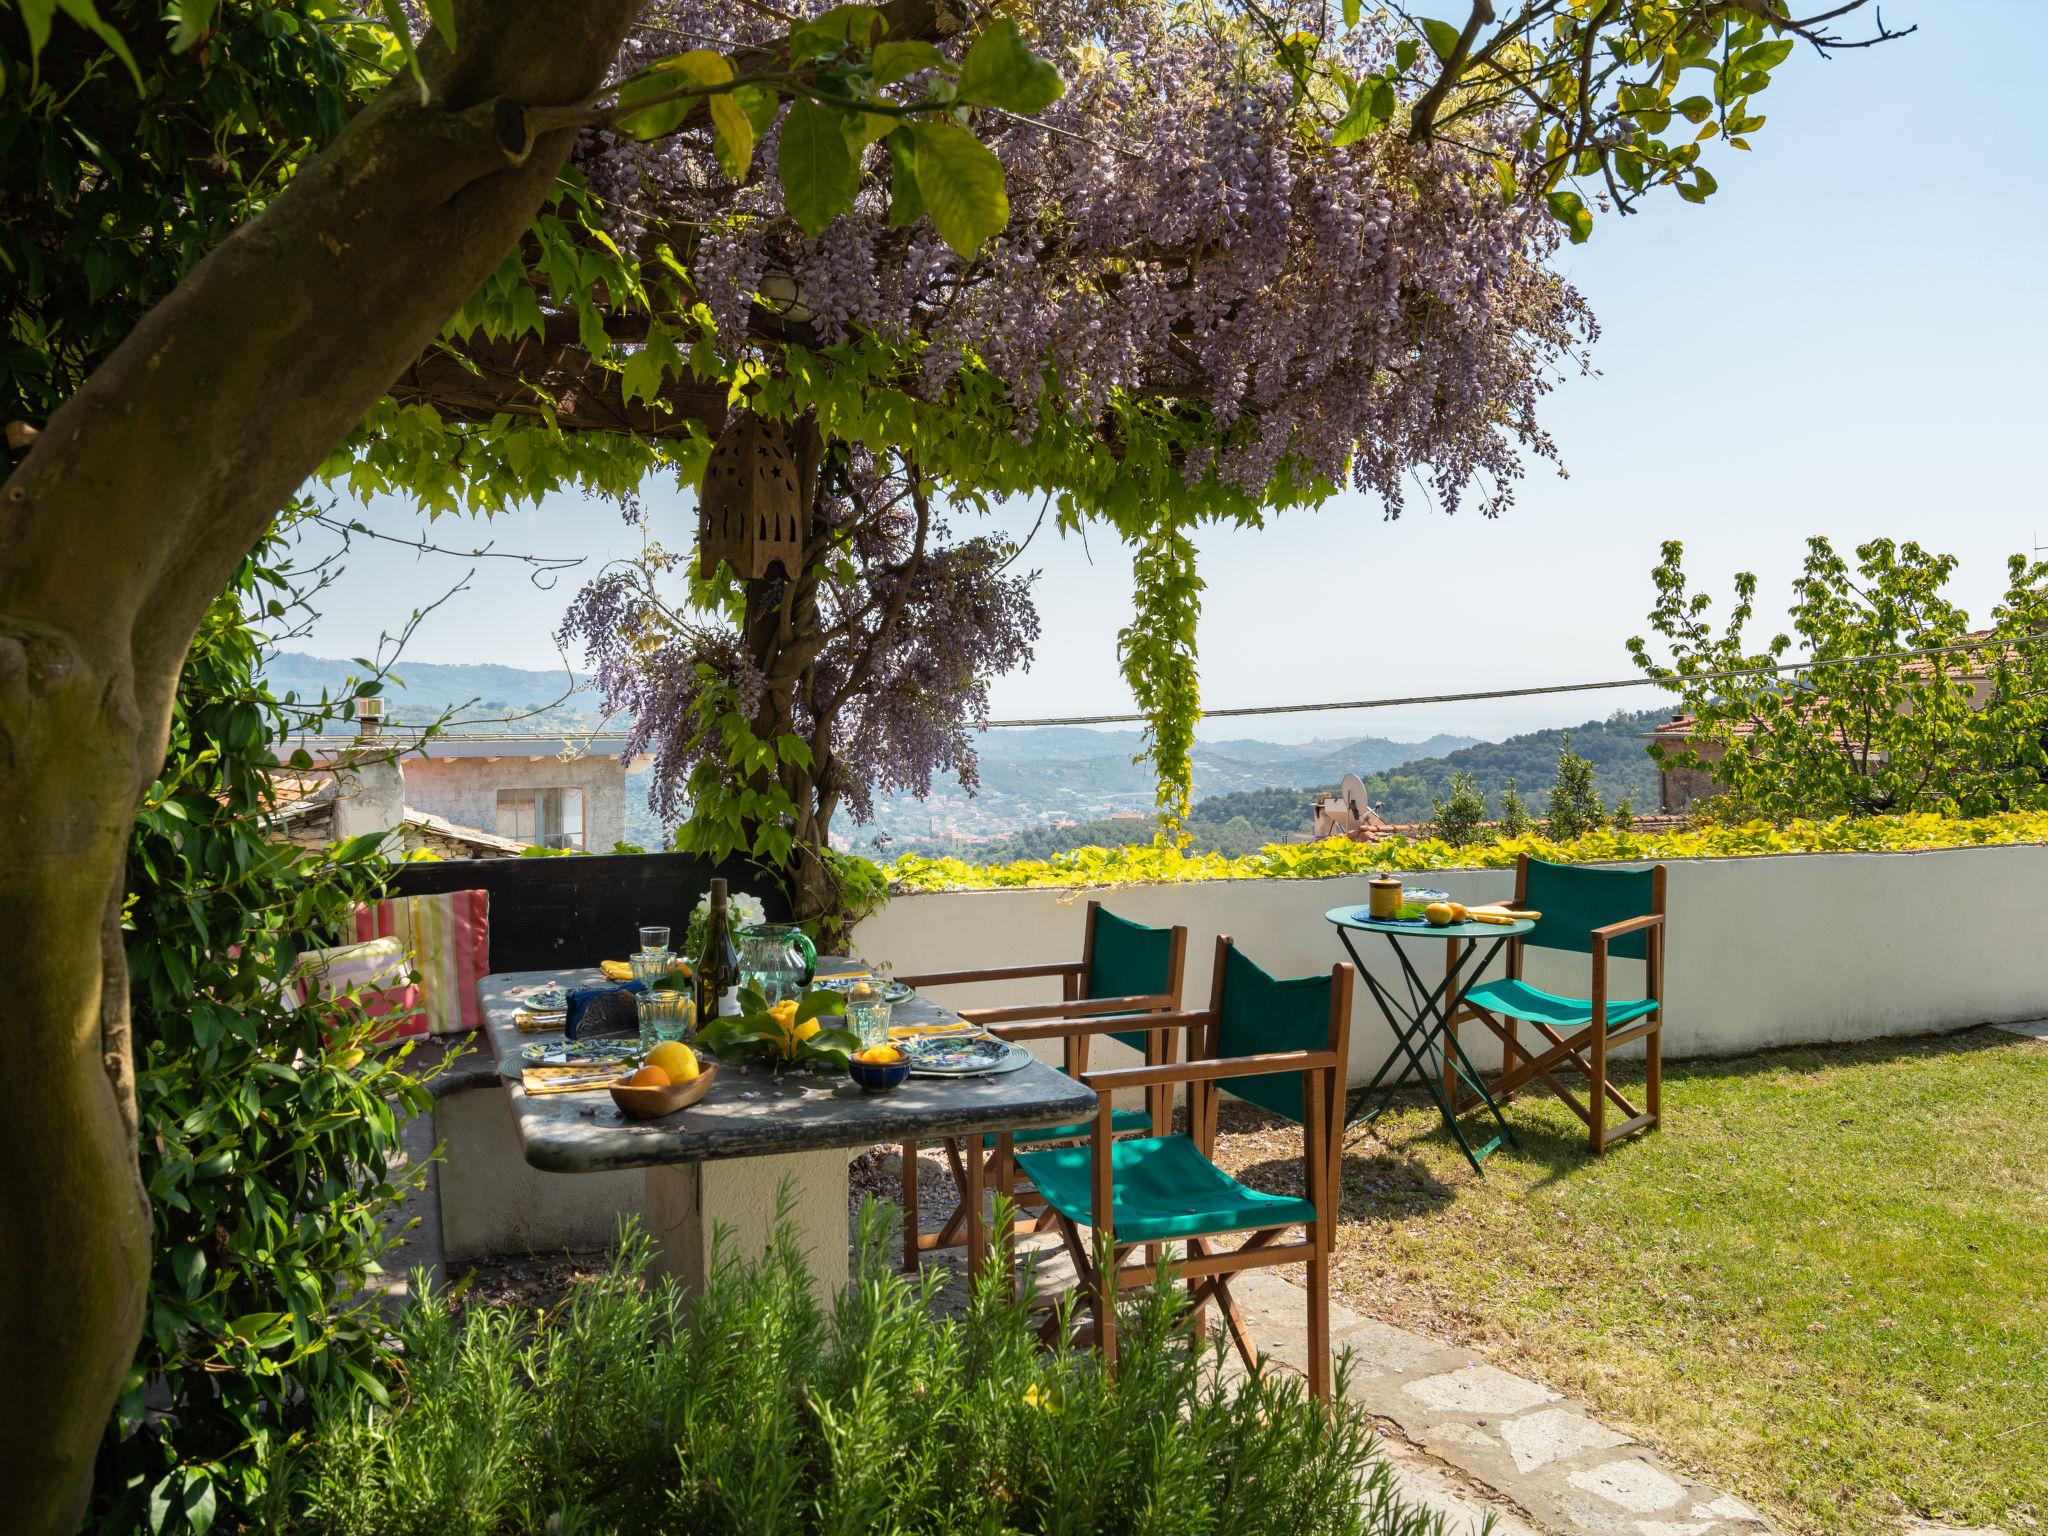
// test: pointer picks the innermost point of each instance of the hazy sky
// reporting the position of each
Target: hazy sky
(1848, 339)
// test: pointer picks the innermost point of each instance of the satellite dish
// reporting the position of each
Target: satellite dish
(1352, 792)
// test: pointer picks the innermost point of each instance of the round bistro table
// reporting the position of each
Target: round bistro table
(1425, 1046)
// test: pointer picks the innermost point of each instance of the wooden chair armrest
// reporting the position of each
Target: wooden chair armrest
(1603, 936)
(997, 973)
(1079, 1008)
(1064, 1028)
(1209, 1071)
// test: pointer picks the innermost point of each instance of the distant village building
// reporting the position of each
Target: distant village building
(461, 798)
(1348, 813)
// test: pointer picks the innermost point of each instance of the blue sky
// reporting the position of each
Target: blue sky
(1848, 339)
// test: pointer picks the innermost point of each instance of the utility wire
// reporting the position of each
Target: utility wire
(1441, 698)
(1523, 693)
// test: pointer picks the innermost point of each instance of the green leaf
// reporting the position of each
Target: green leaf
(1694, 109)
(899, 61)
(961, 183)
(843, 26)
(1350, 13)
(1357, 122)
(1504, 178)
(700, 67)
(732, 136)
(394, 18)
(1443, 38)
(819, 1003)
(906, 205)
(1764, 56)
(1404, 54)
(818, 171)
(759, 103)
(441, 15)
(1570, 210)
(1001, 72)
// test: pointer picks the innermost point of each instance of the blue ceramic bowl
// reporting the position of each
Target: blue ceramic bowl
(879, 1076)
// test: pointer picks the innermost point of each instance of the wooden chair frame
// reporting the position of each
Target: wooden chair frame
(1205, 1270)
(1587, 1050)
(973, 1173)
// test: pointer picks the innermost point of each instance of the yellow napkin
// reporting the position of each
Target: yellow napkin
(615, 970)
(573, 1079)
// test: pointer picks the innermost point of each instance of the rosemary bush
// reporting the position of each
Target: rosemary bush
(751, 1406)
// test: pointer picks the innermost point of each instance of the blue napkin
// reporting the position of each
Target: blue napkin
(612, 1019)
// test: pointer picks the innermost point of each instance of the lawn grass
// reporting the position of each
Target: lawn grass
(1824, 1285)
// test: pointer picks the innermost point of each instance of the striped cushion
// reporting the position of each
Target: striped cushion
(449, 937)
(375, 978)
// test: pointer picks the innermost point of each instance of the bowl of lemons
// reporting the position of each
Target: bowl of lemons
(670, 1077)
(879, 1068)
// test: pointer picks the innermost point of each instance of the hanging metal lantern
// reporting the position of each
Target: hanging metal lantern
(750, 513)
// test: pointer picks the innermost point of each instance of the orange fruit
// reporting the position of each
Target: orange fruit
(650, 1077)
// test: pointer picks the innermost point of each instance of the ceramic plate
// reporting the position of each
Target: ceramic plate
(573, 1053)
(895, 993)
(960, 1057)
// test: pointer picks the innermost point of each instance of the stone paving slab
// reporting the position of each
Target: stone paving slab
(1554, 1463)
(2033, 1029)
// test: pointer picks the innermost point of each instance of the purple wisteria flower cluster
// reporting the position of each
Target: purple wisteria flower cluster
(1180, 230)
(878, 659)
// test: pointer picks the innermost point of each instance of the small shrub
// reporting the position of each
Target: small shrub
(1575, 807)
(752, 1406)
(1624, 818)
(1458, 819)
(1515, 820)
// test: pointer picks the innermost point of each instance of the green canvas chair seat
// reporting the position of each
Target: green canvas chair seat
(1161, 1188)
(1120, 1120)
(1519, 1000)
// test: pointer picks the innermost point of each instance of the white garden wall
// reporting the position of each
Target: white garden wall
(1762, 951)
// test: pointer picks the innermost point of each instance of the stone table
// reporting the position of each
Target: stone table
(725, 1161)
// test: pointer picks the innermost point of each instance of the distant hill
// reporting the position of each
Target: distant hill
(1242, 820)
(1616, 747)
(420, 691)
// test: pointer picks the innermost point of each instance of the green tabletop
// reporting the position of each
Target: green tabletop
(1354, 917)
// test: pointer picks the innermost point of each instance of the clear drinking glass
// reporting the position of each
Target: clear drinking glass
(654, 938)
(666, 1015)
(652, 965)
(867, 1014)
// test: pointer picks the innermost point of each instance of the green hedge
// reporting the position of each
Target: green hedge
(1338, 856)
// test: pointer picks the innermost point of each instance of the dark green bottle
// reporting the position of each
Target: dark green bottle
(716, 963)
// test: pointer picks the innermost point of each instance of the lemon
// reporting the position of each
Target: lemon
(674, 1058)
(1440, 914)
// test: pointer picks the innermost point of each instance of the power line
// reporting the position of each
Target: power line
(1523, 693)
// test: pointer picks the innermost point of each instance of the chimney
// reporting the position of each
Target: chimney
(369, 715)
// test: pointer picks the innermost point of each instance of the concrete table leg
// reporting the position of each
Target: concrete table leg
(688, 1202)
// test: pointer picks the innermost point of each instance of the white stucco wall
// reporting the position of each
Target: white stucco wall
(1762, 951)
(465, 789)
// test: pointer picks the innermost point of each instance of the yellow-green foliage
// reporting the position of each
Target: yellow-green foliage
(1144, 864)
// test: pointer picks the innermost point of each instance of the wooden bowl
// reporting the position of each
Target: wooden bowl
(653, 1103)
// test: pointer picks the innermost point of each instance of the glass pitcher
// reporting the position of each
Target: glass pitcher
(779, 958)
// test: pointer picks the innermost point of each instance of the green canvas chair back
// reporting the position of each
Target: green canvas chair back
(1128, 960)
(1262, 1013)
(1574, 900)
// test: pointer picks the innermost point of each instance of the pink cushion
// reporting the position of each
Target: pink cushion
(449, 938)
(372, 980)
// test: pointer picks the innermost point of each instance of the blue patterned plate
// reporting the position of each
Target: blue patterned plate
(962, 1057)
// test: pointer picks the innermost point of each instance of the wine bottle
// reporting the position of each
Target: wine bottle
(716, 976)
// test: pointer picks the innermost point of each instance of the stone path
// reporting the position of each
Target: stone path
(2033, 1029)
(1469, 1440)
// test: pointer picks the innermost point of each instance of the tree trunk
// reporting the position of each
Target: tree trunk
(117, 530)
